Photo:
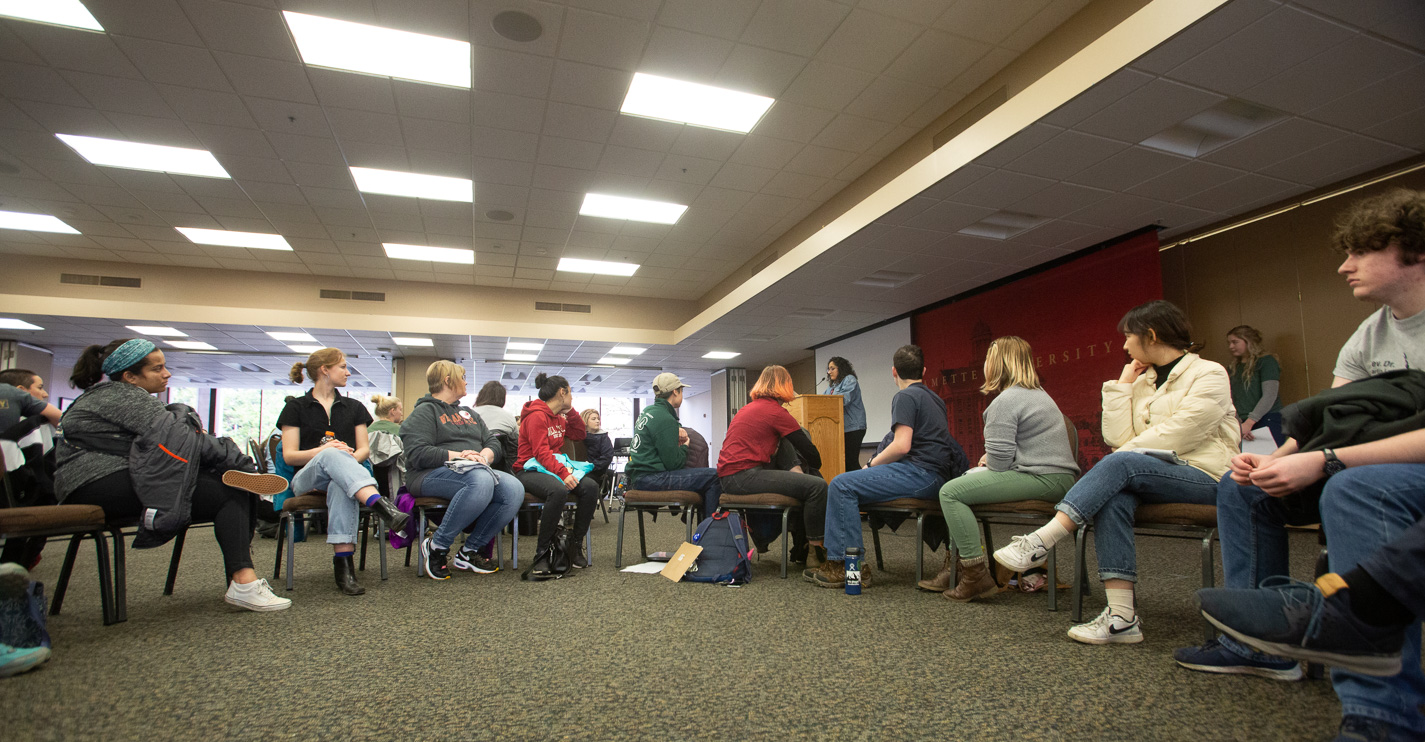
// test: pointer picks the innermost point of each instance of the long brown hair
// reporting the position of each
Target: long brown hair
(1255, 353)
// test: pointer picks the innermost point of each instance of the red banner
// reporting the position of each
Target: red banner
(1069, 315)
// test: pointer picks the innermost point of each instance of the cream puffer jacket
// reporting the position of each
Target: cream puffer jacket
(1190, 414)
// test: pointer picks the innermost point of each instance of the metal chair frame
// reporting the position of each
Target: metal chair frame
(652, 507)
(786, 535)
(1164, 530)
(919, 514)
(288, 535)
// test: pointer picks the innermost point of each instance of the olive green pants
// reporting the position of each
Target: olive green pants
(982, 487)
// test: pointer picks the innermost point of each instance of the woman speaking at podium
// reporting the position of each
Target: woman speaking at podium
(843, 382)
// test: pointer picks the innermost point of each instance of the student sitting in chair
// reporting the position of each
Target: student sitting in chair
(389, 414)
(660, 448)
(542, 424)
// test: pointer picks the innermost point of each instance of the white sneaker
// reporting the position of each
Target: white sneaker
(1108, 629)
(1023, 554)
(255, 596)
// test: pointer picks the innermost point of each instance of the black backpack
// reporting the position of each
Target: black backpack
(726, 555)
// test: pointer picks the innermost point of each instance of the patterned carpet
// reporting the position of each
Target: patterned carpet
(603, 655)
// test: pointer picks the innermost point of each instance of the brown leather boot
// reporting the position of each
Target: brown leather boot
(975, 582)
(940, 582)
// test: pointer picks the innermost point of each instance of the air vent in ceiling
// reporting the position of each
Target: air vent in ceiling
(810, 313)
(1003, 225)
(247, 368)
(554, 306)
(1208, 130)
(353, 295)
(124, 282)
(887, 279)
(758, 338)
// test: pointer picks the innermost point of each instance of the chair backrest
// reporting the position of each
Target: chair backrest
(575, 450)
(1073, 438)
(274, 449)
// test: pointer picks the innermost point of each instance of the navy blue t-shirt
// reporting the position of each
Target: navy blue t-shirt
(930, 443)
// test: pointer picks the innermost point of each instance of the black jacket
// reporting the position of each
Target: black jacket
(600, 450)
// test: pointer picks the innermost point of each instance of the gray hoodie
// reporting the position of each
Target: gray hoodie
(434, 429)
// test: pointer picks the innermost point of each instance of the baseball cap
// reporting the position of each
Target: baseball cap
(666, 383)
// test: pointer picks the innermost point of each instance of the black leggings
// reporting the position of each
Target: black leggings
(853, 448)
(550, 490)
(231, 511)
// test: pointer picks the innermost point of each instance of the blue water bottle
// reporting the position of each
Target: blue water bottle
(853, 570)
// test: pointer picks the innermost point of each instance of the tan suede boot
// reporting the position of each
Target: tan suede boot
(940, 582)
(975, 582)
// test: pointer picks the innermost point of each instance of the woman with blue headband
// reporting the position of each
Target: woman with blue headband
(123, 408)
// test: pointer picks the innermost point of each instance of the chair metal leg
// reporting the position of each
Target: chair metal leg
(365, 522)
(121, 577)
(64, 572)
(173, 562)
(283, 526)
(1208, 580)
(1053, 566)
(989, 543)
(618, 549)
(642, 540)
(919, 547)
(292, 548)
(1081, 573)
(106, 586)
(589, 548)
(688, 527)
(876, 541)
(786, 536)
(381, 547)
(500, 548)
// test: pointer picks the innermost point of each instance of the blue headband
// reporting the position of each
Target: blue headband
(128, 354)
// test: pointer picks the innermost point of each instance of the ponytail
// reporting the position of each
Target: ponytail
(549, 386)
(296, 373)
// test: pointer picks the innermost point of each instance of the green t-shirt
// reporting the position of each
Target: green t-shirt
(1247, 392)
(384, 426)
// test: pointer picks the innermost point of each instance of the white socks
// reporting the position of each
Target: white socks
(1051, 533)
(1120, 602)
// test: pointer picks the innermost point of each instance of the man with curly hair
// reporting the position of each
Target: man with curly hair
(1373, 495)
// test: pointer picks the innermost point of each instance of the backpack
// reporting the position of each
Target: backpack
(725, 558)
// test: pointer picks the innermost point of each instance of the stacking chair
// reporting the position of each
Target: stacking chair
(297, 509)
(762, 501)
(653, 501)
(907, 506)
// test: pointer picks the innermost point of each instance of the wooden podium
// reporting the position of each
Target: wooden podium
(820, 414)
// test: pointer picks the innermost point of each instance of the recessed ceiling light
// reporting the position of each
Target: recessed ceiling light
(152, 157)
(226, 238)
(293, 337)
(432, 254)
(614, 360)
(304, 348)
(189, 344)
(633, 209)
(71, 13)
(690, 103)
(421, 342)
(413, 185)
(577, 265)
(521, 357)
(721, 355)
(357, 47)
(516, 345)
(157, 330)
(627, 350)
(33, 222)
(10, 323)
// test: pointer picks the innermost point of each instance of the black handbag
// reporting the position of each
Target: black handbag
(558, 555)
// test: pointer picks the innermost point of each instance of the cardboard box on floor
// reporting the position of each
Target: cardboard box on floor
(682, 560)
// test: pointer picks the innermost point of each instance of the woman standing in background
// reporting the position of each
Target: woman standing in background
(843, 382)
(1256, 383)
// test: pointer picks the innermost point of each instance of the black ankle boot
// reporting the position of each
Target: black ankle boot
(386, 510)
(577, 558)
(345, 570)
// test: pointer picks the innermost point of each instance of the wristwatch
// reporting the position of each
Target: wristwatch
(1333, 465)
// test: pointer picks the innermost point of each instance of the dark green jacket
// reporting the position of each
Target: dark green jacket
(655, 442)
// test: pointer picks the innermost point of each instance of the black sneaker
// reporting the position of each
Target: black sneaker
(433, 561)
(577, 558)
(476, 562)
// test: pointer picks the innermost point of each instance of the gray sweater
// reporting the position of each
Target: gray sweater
(1024, 432)
(113, 409)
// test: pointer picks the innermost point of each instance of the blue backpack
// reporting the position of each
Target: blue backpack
(725, 558)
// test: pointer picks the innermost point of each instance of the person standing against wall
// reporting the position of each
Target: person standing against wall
(1256, 383)
(853, 418)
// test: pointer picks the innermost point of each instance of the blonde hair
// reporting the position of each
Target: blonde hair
(324, 358)
(1253, 339)
(385, 404)
(439, 371)
(1009, 362)
(590, 413)
(775, 383)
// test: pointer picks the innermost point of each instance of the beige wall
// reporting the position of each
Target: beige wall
(1279, 276)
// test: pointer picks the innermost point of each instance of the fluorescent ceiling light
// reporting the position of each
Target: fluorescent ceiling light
(421, 342)
(413, 185)
(304, 348)
(577, 265)
(721, 355)
(433, 254)
(10, 323)
(292, 337)
(189, 344)
(634, 209)
(521, 357)
(690, 103)
(157, 330)
(153, 157)
(627, 350)
(34, 222)
(357, 47)
(516, 345)
(225, 238)
(614, 360)
(71, 13)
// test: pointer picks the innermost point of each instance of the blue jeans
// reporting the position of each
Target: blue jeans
(1362, 510)
(340, 476)
(703, 481)
(485, 497)
(1109, 494)
(849, 491)
(1251, 526)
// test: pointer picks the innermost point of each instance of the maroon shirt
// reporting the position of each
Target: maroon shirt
(753, 436)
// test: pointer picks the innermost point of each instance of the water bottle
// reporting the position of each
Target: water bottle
(327, 438)
(853, 570)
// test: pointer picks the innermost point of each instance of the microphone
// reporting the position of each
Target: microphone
(822, 379)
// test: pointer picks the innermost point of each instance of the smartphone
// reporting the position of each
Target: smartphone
(660, 556)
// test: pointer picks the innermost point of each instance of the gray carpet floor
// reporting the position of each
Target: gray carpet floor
(605, 655)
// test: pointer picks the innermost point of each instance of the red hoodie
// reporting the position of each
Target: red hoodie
(541, 436)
